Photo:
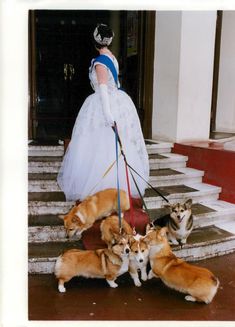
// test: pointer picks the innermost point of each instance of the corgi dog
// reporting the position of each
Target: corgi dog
(110, 231)
(179, 222)
(102, 263)
(97, 206)
(198, 283)
(139, 257)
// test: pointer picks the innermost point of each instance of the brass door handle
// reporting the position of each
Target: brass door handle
(69, 71)
(65, 71)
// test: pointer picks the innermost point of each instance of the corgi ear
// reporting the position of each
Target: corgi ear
(131, 239)
(188, 204)
(74, 219)
(61, 216)
(80, 216)
(167, 206)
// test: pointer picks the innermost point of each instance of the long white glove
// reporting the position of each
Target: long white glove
(106, 105)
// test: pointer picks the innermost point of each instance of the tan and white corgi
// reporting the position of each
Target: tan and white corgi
(179, 222)
(198, 283)
(139, 257)
(102, 263)
(97, 206)
(110, 230)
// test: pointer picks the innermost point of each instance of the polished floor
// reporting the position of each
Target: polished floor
(91, 299)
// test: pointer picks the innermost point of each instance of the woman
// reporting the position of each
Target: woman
(92, 147)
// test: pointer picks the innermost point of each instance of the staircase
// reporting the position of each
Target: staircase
(168, 172)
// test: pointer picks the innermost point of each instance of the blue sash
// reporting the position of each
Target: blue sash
(105, 60)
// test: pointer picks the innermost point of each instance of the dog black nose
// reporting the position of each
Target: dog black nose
(141, 260)
(127, 250)
(178, 216)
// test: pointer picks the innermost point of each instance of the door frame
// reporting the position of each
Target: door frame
(148, 73)
(214, 97)
(31, 73)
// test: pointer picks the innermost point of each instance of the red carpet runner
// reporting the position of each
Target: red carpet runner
(91, 238)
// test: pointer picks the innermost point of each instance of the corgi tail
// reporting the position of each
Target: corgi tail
(215, 281)
(58, 265)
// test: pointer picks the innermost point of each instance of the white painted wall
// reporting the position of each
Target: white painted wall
(166, 74)
(225, 116)
(183, 75)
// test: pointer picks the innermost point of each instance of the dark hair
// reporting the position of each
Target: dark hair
(103, 36)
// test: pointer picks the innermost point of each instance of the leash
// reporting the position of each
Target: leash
(132, 222)
(118, 187)
(132, 169)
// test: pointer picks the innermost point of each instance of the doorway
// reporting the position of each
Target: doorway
(60, 52)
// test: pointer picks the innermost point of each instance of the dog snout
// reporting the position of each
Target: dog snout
(127, 251)
(141, 260)
(178, 217)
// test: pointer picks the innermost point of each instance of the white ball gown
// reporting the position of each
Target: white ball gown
(92, 147)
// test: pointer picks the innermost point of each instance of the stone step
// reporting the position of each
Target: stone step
(177, 176)
(46, 228)
(159, 177)
(42, 256)
(46, 150)
(41, 203)
(58, 150)
(167, 160)
(49, 164)
(205, 213)
(158, 146)
(202, 243)
(198, 192)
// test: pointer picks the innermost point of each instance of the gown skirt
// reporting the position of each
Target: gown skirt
(92, 149)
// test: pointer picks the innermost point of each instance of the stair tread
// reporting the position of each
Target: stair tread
(44, 159)
(167, 190)
(162, 172)
(152, 143)
(169, 157)
(197, 209)
(46, 196)
(51, 249)
(42, 176)
(209, 210)
(198, 237)
(149, 193)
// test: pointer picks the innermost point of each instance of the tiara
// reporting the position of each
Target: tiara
(98, 38)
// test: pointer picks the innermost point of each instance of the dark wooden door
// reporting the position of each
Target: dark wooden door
(61, 49)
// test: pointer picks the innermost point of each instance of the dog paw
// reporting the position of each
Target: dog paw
(190, 298)
(144, 277)
(112, 283)
(151, 274)
(173, 242)
(137, 283)
(61, 289)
